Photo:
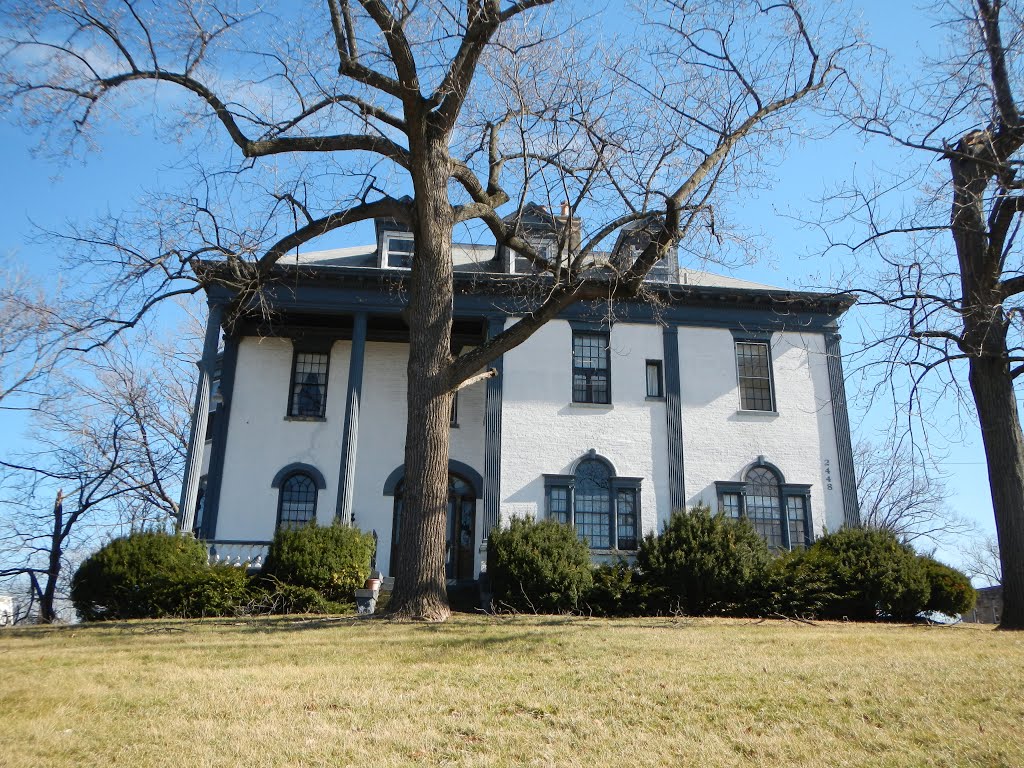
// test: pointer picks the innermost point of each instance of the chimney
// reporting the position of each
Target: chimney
(565, 208)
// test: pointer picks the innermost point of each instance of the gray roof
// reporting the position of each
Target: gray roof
(472, 257)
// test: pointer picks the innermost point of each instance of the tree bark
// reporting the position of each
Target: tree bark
(984, 341)
(996, 402)
(420, 585)
(47, 612)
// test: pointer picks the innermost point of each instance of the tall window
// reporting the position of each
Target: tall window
(780, 512)
(603, 509)
(296, 504)
(591, 368)
(399, 250)
(762, 505)
(308, 397)
(753, 369)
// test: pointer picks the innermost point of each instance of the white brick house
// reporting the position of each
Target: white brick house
(719, 391)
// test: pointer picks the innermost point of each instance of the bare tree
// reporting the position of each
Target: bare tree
(952, 275)
(897, 492)
(436, 114)
(31, 335)
(107, 456)
(982, 561)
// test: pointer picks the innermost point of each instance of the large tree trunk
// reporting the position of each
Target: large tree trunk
(996, 402)
(420, 587)
(984, 341)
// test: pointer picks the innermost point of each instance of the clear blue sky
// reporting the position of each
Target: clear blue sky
(47, 193)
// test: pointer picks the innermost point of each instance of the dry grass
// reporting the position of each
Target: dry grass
(524, 691)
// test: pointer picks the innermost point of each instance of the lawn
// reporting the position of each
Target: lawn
(514, 691)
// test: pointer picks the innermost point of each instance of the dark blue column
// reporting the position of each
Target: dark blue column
(674, 419)
(215, 476)
(492, 438)
(841, 420)
(200, 419)
(350, 432)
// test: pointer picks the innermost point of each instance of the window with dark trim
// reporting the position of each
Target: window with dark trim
(754, 373)
(591, 367)
(655, 379)
(296, 505)
(308, 392)
(779, 511)
(603, 509)
(399, 250)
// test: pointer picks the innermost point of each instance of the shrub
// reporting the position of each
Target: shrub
(862, 574)
(332, 560)
(615, 591)
(273, 596)
(538, 567)
(951, 591)
(702, 563)
(152, 575)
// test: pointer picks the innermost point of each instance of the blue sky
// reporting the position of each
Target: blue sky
(48, 193)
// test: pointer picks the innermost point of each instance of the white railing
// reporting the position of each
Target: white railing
(248, 554)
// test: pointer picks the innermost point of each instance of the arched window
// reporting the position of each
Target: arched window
(603, 508)
(296, 504)
(779, 511)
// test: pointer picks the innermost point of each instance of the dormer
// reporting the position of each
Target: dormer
(542, 229)
(395, 245)
(632, 240)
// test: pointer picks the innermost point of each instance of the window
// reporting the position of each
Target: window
(591, 368)
(523, 266)
(753, 369)
(655, 387)
(296, 504)
(780, 512)
(454, 420)
(399, 250)
(603, 509)
(308, 396)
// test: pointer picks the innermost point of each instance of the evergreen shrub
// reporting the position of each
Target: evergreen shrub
(333, 560)
(616, 591)
(539, 567)
(951, 591)
(702, 563)
(155, 575)
(859, 574)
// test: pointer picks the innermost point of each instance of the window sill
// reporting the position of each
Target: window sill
(305, 418)
(592, 406)
(615, 552)
(765, 414)
(655, 398)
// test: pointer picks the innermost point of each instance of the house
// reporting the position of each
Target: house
(710, 389)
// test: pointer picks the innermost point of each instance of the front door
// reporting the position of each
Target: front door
(461, 529)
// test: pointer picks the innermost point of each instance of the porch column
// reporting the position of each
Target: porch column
(200, 420)
(350, 432)
(492, 439)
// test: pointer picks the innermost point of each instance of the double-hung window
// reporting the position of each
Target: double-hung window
(399, 250)
(591, 368)
(754, 373)
(603, 509)
(307, 397)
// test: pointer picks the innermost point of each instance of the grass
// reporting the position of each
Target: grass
(523, 692)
